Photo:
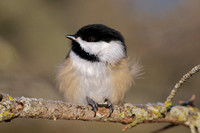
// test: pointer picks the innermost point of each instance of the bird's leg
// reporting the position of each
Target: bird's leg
(107, 104)
(110, 106)
(93, 104)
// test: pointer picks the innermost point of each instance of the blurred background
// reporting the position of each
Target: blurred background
(164, 35)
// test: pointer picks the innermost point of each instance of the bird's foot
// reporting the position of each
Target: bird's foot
(107, 104)
(110, 106)
(93, 104)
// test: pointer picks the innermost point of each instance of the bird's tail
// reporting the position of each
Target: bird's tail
(136, 68)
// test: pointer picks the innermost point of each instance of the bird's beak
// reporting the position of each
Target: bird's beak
(71, 37)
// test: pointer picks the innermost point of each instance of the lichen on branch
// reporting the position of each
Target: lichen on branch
(12, 107)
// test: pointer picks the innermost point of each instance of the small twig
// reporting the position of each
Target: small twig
(169, 99)
(190, 102)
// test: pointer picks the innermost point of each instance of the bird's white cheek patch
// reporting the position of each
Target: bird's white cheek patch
(113, 53)
(107, 52)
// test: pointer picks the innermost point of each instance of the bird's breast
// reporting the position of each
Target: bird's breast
(94, 79)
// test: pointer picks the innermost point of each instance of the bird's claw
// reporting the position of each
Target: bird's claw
(110, 106)
(93, 104)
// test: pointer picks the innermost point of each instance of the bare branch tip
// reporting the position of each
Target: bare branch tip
(177, 86)
(193, 97)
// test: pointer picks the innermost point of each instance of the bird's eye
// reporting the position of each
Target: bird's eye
(91, 39)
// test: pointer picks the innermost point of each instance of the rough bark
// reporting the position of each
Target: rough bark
(22, 107)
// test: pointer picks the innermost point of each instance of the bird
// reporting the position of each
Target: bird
(96, 70)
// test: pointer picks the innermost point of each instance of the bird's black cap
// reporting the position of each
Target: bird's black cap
(99, 32)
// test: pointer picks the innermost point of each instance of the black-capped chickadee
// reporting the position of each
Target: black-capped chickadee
(97, 69)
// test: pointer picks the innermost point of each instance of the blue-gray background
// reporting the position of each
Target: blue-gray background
(163, 34)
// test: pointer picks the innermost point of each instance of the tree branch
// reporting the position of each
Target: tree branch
(132, 115)
(15, 107)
